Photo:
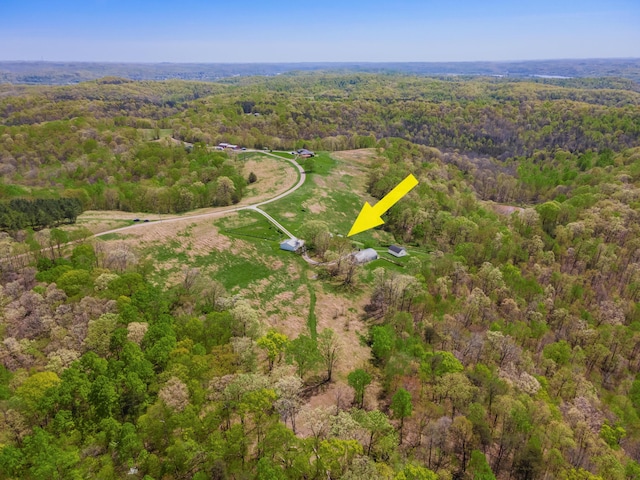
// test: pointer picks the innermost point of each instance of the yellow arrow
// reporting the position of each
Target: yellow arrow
(370, 217)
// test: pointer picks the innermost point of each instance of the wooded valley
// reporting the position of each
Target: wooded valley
(506, 345)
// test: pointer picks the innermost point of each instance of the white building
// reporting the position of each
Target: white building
(365, 256)
(292, 244)
(397, 251)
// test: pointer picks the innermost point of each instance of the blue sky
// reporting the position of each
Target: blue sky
(325, 30)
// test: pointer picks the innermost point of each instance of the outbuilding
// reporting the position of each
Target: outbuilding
(304, 153)
(397, 251)
(365, 256)
(292, 244)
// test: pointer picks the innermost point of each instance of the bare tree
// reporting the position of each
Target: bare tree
(330, 349)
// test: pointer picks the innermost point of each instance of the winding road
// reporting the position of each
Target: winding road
(254, 206)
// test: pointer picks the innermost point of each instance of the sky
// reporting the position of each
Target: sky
(321, 31)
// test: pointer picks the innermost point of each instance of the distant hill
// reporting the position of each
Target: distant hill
(60, 73)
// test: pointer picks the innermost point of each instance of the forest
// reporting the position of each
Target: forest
(64, 73)
(506, 346)
(20, 213)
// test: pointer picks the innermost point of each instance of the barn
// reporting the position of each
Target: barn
(292, 244)
(304, 153)
(365, 256)
(397, 251)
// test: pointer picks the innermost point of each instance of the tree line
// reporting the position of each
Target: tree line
(21, 213)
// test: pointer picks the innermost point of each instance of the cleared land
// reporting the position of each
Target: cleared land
(241, 249)
(334, 194)
(274, 178)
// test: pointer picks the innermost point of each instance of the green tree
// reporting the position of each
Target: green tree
(45, 459)
(316, 235)
(529, 462)
(381, 435)
(58, 238)
(274, 344)
(359, 380)
(612, 435)
(84, 257)
(103, 396)
(382, 342)
(34, 388)
(549, 212)
(303, 351)
(457, 388)
(99, 333)
(401, 407)
(634, 394)
(479, 468)
(11, 461)
(74, 282)
(439, 363)
(309, 165)
(268, 471)
(415, 472)
(559, 352)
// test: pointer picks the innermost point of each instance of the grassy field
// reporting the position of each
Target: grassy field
(149, 134)
(251, 224)
(244, 255)
(283, 154)
(333, 193)
(112, 236)
(274, 176)
(241, 251)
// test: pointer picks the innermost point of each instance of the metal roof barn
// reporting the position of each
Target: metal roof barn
(365, 256)
(291, 244)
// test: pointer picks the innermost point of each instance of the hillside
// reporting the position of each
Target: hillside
(184, 343)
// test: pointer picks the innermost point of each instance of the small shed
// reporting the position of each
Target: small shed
(292, 244)
(365, 256)
(304, 153)
(397, 251)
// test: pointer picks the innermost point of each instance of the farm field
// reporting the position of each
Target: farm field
(241, 249)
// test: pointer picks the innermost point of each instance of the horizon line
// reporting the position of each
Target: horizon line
(309, 62)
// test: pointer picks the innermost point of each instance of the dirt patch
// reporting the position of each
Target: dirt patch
(316, 208)
(293, 272)
(284, 297)
(342, 316)
(276, 265)
(505, 209)
(292, 310)
(202, 237)
(320, 182)
(362, 156)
